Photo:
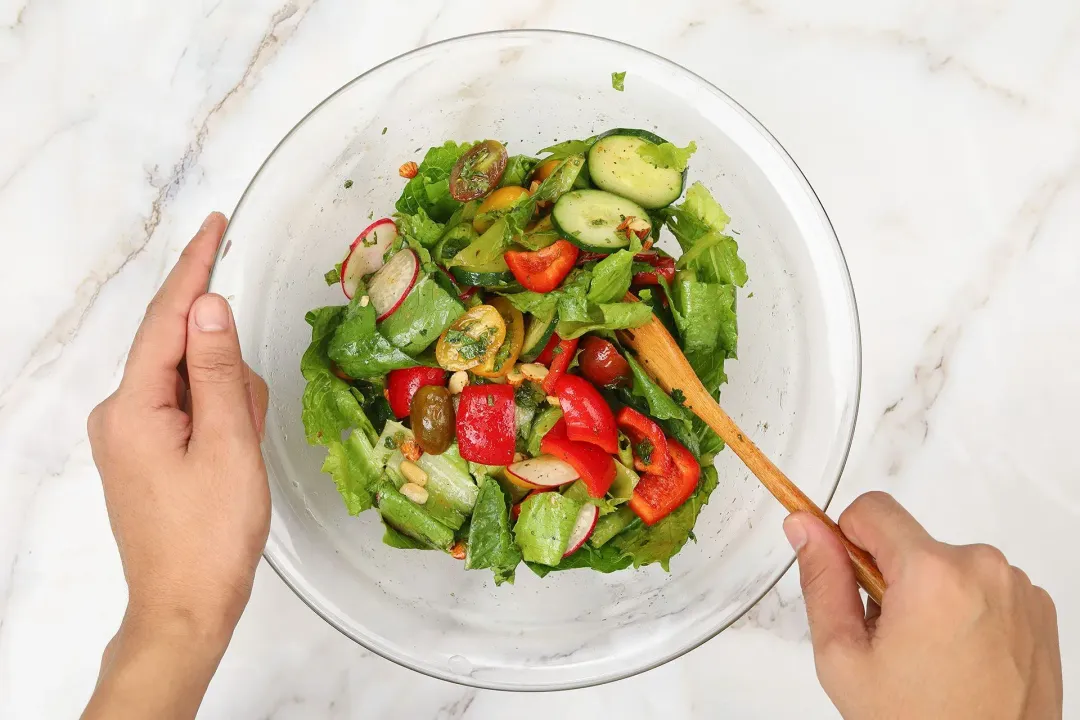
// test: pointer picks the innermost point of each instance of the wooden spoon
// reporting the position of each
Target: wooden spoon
(661, 357)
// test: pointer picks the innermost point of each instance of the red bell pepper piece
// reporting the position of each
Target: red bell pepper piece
(561, 358)
(545, 356)
(542, 270)
(594, 466)
(401, 386)
(485, 424)
(665, 267)
(587, 415)
(651, 451)
(656, 496)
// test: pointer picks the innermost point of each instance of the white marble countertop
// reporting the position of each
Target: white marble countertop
(943, 139)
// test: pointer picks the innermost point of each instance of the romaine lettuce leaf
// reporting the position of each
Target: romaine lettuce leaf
(430, 189)
(569, 147)
(645, 545)
(401, 541)
(323, 321)
(618, 80)
(666, 155)
(697, 215)
(705, 316)
(411, 519)
(650, 398)
(359, 349)
(611, 277)
(517, 170)
(491, 544)
(542, 304)
(715, 258)
(420, 227)
(543, 529)
(605, 559)
(609, 316)
(355, 471)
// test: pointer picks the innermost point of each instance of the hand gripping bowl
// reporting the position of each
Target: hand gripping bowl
(795, 386)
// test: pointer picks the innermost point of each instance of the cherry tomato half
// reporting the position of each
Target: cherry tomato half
(602, 364)
(478, 171)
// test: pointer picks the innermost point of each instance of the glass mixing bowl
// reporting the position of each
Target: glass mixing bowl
(794, 388)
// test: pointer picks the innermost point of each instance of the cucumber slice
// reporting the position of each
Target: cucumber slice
(538, 331)
(590, 219)
(616, 166)
(496, 276)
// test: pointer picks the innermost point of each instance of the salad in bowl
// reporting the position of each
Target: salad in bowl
(473, 390)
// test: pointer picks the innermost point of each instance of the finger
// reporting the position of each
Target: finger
(833, 605)
(881, 526)
(259, 395)
(873, 612)
(217, 375)
(161, 339)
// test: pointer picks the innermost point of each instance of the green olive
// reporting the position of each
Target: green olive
(432, 416)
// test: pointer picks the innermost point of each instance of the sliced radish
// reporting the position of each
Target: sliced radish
(583, 527)
(544, 471)
(366, 253)
(392, 283)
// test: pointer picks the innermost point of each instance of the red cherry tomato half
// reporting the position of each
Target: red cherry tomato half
(478, 171)
(602, 364)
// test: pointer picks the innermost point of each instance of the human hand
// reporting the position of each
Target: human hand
(177, 447)
(960, 633)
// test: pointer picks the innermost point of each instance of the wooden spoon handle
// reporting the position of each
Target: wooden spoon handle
(662, 358)
(789, 495)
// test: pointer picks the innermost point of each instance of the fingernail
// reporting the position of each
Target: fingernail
(795, 532)
(209, 219)
(212, 313)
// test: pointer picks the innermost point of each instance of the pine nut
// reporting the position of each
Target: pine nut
(413, 473)
(415, 493)
(533, 371)
(364, 301)
(515, 376)
(458, 381)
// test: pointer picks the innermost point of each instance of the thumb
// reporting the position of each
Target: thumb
(217, 375)
(833, 605)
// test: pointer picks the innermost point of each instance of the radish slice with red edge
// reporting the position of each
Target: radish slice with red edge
(366, 254)
(545, 471)
(583, 528)
(392, 283)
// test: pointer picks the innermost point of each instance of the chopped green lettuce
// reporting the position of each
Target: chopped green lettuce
(609, 316)
(430, 189)
(518, 169)
(605, 559)
(355, 471)
(491, 543)
(618, 80)
(698, 225)
(705, 316)
(567, 148)
(650, 398)
(658, 543)
(543, 529)
(423, 315)
(400, 540)
(666, 155)
(411, 519)
(359, 349)
(419, 226)
(611, 277)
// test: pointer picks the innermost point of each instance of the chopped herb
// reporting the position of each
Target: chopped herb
(384, 131)
(469, 347)
(369, 240)
(750, 295)
(389, 443)
(371, 215)
(644, 450)
(678, 396)
(348, 184)
(333, 277)
(617, 80)
(558, 350)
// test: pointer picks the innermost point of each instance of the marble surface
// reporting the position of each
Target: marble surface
(943, 139)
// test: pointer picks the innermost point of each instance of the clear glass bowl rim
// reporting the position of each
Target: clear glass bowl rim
(849, 287)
